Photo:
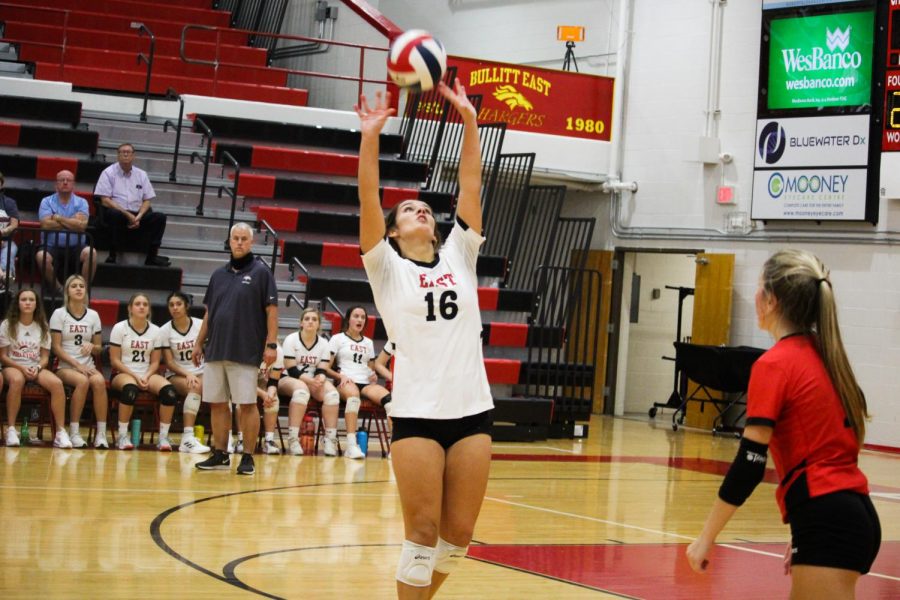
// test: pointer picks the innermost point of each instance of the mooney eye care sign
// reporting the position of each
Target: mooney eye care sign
(814, 116)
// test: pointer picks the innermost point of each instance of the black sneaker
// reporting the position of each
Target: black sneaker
(157, 261)
(218, 460)
(246, 467)
(111, 259)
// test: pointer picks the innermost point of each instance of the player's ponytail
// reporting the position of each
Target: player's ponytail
(800, 283)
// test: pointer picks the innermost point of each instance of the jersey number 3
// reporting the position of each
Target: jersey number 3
(446, 306)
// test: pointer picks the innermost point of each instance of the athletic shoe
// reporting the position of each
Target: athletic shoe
(218, 460)
(78, 441)
(239, 448)
(12, 438)
(270, 447)
(354, 452)
(100, 441)
(192, 445)
(123, 442)
(164, 444)
(294, 447)
(246, 467)
(330, 447)
(230, 449)
(62, 440)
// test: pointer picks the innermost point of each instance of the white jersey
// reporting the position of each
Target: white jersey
(136, 346)
(25, 350)
(351, 357)
(182, 344)
(431, 314)
(307, 358)
(74, 332)
(265, 371)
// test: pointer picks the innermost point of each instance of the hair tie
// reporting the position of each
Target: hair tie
(821, 280)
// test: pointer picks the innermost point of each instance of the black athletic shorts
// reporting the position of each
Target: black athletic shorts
(445, 432)
(839, 530)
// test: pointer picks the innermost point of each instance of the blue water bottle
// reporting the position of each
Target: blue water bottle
(362, 438)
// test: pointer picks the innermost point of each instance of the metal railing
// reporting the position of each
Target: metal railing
(360, 79)
(172, 93)
(233, 192)
(269, 231)
(141, 28)
(198, 122)
(538, 227)
(259, 15)
(505, 202)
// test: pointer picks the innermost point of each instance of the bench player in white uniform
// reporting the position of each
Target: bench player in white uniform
(267, 401)
(75, 336)
(351, 362)
(177, 339)
(427, 296)
(24, 353)
(304, 379)
(134, 357)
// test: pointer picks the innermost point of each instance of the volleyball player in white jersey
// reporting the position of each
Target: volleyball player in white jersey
(134, 357)
(267, 399)
(75, 335)
(351, 365)
(427, 296)
(24, 353)
(303, 351)
(177, 339)
(383, 363)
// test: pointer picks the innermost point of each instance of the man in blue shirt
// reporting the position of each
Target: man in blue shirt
(9, 220)
(62, 251)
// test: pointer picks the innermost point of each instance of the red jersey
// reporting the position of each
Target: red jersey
(813, 446)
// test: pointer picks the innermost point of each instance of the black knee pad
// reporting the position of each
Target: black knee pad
(168, 396)
(129, 394)
(386, 400)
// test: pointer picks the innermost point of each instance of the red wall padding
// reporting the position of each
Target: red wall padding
(392, 196)
(509, 334)
(304, 161)
(281, 219)
(487, 298)
(256, 186)
(502, 371)
(49, 166)
(108, 311)
(9, 134)
(341, 255)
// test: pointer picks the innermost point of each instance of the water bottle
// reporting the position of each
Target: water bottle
(362, 438)
(23, 437)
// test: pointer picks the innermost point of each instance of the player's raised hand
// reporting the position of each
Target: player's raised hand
(372, 118)
(458, 98)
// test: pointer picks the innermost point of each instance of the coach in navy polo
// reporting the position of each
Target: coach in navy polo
(238, 334)
(126, 192)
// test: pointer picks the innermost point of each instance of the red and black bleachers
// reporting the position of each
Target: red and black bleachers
(47, 110)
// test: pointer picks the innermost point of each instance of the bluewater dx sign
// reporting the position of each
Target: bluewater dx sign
(805, 142)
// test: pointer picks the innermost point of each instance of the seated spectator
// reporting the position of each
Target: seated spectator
(9, 220)
(125, 192)
(62, 252)
(24, 353)
(75, 333)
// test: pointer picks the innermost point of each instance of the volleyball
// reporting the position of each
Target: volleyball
(416, 60)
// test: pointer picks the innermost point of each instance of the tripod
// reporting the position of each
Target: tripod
(569, 59)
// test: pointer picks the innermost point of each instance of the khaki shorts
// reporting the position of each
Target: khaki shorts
(224, 380)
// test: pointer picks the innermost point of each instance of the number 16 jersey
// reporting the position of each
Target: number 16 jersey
(431, 313)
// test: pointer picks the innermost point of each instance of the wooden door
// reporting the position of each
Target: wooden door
(602, 261)
(713, 290)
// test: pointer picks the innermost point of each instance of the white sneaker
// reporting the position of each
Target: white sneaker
(230, 449)
(270, 447)
(62, 440)
(330, 447)
(164, 444)
(78, 441)
(100, 441)
(193, 446)
(239, 449)
(123, 442)
(294, 447)
(12, 438)
(354, 452)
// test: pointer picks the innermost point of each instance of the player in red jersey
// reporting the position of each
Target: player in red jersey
(805, 404)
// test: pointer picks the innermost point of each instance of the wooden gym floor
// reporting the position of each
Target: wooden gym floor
(600, 518)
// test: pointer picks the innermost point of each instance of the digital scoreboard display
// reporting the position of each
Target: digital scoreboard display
(819, 61)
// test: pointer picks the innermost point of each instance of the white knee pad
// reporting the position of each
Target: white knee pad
(300, 396)
(352, 405)
(273, 408)
(416, 564)
(447, 556)
(191, 404)
(332, 398)
(387, 408)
